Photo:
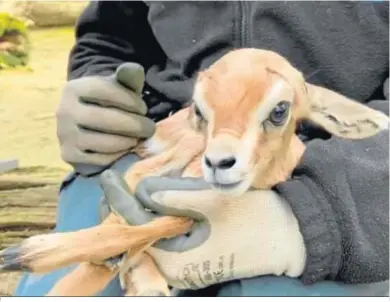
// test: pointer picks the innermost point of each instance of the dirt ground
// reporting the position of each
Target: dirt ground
(28, 100)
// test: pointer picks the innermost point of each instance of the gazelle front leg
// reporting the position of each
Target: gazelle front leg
(143, 278)
(194, 168)
(174, 159)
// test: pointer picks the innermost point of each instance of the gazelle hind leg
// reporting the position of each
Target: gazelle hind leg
(86, 279)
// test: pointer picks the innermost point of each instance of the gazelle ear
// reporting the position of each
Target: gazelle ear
(342, 116)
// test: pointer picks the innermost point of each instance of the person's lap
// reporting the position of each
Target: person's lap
(78, 208)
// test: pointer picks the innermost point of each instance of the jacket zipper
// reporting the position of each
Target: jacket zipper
(243, 24)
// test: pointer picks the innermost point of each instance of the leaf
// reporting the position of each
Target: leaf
(14, 31)
(11, 24)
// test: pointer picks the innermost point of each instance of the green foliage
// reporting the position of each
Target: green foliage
(14, 43)
(10, 24)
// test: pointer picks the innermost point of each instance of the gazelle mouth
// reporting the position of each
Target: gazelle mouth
(228, 186)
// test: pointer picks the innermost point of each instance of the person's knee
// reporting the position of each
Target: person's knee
(284, 286)
(39, 285)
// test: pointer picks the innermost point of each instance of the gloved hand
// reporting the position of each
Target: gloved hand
(232, 238)
(100, 118)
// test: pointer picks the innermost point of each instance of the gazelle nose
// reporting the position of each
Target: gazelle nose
(222, 163)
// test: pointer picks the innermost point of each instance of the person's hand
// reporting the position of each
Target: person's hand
(100, 118)
(232, 238)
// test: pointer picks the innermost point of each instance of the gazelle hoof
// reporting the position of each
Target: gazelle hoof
(11, 261)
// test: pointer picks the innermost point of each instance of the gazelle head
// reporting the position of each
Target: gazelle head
(248, 104)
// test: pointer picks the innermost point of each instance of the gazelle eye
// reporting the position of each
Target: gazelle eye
(280, 113)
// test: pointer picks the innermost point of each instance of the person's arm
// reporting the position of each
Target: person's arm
(340, 196)
(109, 33)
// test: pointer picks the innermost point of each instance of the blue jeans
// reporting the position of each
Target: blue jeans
(78, 208)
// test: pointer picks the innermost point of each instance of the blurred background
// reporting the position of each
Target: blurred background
(35, 40)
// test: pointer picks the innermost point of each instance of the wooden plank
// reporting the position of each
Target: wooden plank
(23, 213)
(9, 164)
(26, 212)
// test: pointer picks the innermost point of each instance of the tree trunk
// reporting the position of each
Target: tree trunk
(45, 13)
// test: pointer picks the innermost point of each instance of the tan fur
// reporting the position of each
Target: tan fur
(144, 279)
(86, 280)
(44, 253)
(178, 145)
(235, 95)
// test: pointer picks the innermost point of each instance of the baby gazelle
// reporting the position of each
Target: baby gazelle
(239, 132)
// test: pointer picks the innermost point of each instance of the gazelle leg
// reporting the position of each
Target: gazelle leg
(194, 168)
(86, 279)
(156, 165)
(43, 253)
(145, 279)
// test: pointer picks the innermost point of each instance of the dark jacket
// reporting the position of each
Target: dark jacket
(339, 192)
